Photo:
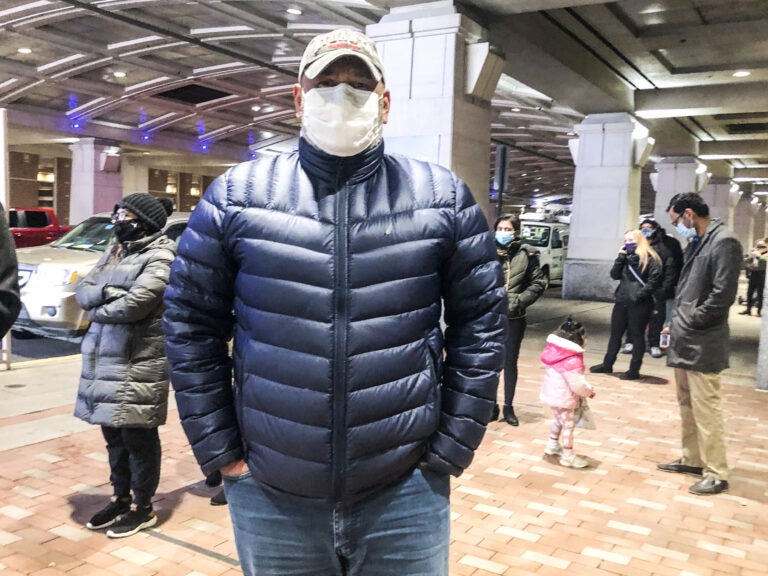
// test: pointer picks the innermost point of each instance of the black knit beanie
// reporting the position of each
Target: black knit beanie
(151, 212)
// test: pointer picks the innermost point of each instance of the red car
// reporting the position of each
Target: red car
(35, 226)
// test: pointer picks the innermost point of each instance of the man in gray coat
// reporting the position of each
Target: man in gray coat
(698, 348)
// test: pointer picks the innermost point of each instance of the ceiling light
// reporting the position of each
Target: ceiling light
(294, 11)
(741, 73)
(515, 109)
(119, 74)
(24, 50)
(256, 108)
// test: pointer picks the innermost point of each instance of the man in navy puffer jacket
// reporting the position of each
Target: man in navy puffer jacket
(344, 407)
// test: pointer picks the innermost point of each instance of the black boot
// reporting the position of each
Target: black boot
(495, 413)
(746, 312)
(509, 416)
(601, 369)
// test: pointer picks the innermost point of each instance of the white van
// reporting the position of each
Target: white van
(550, 239)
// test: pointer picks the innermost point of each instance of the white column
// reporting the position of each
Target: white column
(721, 196)
(760, 220)
(606, 202)
(441, 76)
(96, 186)
(674, 175)
(744, 221)
(135, 174)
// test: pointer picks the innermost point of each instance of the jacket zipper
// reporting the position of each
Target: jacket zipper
(338, 458)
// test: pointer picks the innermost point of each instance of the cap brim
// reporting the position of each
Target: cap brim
(324, 60)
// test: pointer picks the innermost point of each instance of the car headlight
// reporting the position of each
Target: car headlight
(55, 275)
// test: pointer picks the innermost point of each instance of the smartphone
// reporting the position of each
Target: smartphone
(664, 340)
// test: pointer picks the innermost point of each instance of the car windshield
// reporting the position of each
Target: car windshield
(535, 235)
(92, 234)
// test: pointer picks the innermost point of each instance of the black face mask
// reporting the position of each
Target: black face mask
(128, 230)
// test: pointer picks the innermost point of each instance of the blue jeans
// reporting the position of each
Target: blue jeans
(401, 530)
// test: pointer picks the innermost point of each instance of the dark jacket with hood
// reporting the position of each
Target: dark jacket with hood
(124, 379)
(10, 303)
(699, 333)
(523, 279)
(671, 255)
(332, 273)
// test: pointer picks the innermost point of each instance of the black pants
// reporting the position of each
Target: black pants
(516, 331)
(756, 285)
(633, 319)
(656, 323)
(134, 462)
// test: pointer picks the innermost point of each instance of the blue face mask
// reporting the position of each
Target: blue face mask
(504, 238)
(647, 232)
(684, 231)
(630, 247)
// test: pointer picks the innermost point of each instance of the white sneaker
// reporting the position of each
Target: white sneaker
(553, 448)
(655, 352)
(574, 461)
(627, 348)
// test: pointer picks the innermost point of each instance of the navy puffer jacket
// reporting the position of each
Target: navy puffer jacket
(330, 272)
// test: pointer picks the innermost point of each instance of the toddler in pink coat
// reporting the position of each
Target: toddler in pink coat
(564, 384)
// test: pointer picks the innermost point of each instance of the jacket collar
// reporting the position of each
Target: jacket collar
(334, 171)
(510, 249)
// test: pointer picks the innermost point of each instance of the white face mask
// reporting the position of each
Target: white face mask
(341, 120)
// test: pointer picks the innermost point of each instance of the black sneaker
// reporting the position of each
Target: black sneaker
(110, 513)
(135, 520)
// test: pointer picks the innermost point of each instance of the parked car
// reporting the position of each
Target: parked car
(550, 239)
(49, 275)
(34, 226)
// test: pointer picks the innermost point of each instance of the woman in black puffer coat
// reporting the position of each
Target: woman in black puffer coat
(124, 380)
(639, 271)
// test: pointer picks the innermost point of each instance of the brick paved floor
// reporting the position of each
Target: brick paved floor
(515, 512)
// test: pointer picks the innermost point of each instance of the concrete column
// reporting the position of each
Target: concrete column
(606, 203)
(96, 181)
(721, 196)
(744, 221)
(135, 175)
(441, 75)
(760, 220)
(674, 175)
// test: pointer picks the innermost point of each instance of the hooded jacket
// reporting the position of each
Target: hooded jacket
(564, 382)
(671, 255)
(10, 303)
(523, 279)
(124, 378)
(336, 270)
(699, 333)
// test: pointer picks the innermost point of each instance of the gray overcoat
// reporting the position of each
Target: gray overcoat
(699, 333)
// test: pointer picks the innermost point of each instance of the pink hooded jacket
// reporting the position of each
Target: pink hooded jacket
(564, 380)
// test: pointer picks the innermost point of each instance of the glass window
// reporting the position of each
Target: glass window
(92, 234)
(535, 235)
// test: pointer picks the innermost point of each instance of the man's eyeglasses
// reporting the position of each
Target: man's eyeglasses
(676, 220)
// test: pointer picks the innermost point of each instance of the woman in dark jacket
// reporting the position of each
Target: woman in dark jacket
(639, 271)
(124, 380)
(524, 283)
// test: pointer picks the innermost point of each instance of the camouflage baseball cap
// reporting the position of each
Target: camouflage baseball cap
(327, 48)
